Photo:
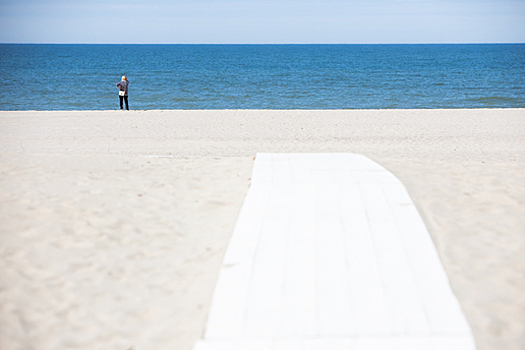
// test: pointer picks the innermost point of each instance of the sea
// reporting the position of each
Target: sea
(84, 77)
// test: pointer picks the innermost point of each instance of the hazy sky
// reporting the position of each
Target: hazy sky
(261, 21)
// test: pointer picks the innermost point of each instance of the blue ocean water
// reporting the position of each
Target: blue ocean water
(83, 77)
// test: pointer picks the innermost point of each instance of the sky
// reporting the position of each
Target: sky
(262, 21)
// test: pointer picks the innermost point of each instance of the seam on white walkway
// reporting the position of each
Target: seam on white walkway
(329, 252)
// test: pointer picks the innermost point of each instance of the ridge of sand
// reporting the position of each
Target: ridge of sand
(104, 246)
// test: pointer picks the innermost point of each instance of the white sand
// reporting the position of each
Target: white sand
(104, 247)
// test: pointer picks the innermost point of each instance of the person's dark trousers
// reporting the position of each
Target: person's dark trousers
(125, 98)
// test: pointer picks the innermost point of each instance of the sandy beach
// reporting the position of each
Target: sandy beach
(113, 224)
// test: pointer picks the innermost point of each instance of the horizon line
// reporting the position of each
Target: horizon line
(95, 43)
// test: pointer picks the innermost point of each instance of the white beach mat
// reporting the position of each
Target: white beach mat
(329, 252)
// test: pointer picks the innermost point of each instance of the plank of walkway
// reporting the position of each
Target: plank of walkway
(329, 252)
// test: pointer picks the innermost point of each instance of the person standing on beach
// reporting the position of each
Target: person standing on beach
(123, 91)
